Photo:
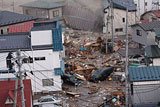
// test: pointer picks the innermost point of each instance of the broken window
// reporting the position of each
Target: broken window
(56, 13)
(27, 60)
(139, 32)
(39, 58)
(47, 82)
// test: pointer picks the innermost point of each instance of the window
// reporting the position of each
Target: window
(39, 58)
(1, 31)
(139, 32)
(119, 30)
(145, 3)
(47, 82)
(56, 13)
(27, 12)
(27, 60)
(123, 19)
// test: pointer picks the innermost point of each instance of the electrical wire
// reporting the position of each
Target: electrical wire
(40, 66)
(41, 85)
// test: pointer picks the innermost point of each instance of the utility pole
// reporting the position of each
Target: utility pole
(112, 17)
(15, 93)
(126, 67)
(19, 62)
(107, 25)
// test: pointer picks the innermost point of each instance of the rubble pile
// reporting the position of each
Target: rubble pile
(85, 52)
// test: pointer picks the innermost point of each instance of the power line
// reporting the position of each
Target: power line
(48, 79)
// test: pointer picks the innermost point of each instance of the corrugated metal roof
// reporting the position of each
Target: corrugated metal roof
(14, 41)
(152, 51)
(21, 28)
(149, 26)
(131, 52)
(121, 4)
(150, 73)
(57, 39)
(145, 21)
(43, 4)
(156, 13)
(8, 18)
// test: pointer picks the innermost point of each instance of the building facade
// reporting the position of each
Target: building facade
(43, 50)
(144, 86)
(11, 18)
(119, 19)
(46, 9)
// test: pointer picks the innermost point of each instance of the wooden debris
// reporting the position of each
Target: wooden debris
(73, 94)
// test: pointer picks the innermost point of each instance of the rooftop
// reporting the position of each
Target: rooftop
(148, 26)
(152, 51)
(121, 4)
(9, 18)
(150, 73)
(8, 91)
(45, 4)
(14, 42)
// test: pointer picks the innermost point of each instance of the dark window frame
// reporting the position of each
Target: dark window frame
(55, 13)
(39, 58)
(48, 82)
(123, 20)
(138, 32)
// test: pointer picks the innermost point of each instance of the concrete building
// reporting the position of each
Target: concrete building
(43, 49)
(10, 18)
(144, 33)
(119, 21)
(49, 9)
(144, 86)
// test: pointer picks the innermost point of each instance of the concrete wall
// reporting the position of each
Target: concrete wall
(42, 69)
(146, 92)
(36, 12)
(41, 13)
(118, 21)
(156, 62)
(151, 38)
(141, 4)
(41, 37)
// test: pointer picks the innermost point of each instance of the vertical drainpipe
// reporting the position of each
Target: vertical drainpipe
(48, 14)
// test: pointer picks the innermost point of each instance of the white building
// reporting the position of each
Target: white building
(119, 13)
(145, 5)
(144, 86)
(45, 49)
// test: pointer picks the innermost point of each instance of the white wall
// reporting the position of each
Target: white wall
(42, 69)
(140, 6)
(156, 62)
(41, 37)
(147, 92)
(118, 21)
